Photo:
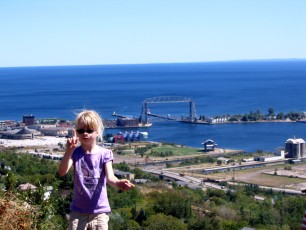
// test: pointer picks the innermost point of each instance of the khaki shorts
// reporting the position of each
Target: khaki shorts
(80, 221)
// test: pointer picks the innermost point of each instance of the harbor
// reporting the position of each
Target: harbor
(144, 120)
(242, 135)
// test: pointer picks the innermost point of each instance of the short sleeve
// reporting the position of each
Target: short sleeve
(77, 153)
(108, 155)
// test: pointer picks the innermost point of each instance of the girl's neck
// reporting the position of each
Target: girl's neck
(90, 149)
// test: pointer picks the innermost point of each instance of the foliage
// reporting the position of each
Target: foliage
(30, 169)
(290, 209)
(165, 222)
(162, 154)
(168, 149)
(29, 211)
(207, 223)
(143, 175)
(257, 115)
(172, 203)
(123, 166)
(14, 215)
(149, 206)
(141, 151)
(198, 160)
(120, 199)
(121, 220)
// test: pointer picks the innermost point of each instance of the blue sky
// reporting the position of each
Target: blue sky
(88, 32)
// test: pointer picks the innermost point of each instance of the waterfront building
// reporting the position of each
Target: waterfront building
(280, 151)
(127, 122)
(28, 120)
(247, 159)
(216, 120)
(48, 121)
(55, 131)
(128, 137)
(7, 123)
(143, 135)
(20, 134)
(268, 158)
(295, 148)
(209, 145)
(118, 138)
(280, 155)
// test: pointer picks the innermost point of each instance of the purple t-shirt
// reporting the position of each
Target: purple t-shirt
(90, 195)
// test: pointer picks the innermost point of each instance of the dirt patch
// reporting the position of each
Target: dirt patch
(265, 176)
(297, 173)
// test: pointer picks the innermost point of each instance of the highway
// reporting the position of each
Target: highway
(190, 181)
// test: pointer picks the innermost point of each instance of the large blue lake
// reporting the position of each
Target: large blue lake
(217, 88)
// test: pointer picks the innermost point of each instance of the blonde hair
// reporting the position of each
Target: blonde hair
(91, 119)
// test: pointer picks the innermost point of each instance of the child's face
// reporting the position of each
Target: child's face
(86, 133)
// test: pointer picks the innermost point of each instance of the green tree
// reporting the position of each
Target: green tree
(123, 166)
(245, 117)
(116, 221)
(271, 112)
(132, 225)
(164, 222)
(10, 182)
(294, 116)
(134, 212)
(120, 199)
(172, 203)
(207, 223)
(280, 116)
(142, 216)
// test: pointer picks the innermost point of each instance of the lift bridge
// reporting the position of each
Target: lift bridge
(167, 99)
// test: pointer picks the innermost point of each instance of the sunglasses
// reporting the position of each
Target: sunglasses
(82, 131)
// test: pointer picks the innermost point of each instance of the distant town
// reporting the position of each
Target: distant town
(30, 128)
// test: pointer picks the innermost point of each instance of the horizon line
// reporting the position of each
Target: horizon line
(161, 63)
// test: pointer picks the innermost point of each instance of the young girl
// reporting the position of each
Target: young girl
(92, 169)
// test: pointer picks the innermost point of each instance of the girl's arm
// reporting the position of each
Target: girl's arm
(112, 180)
(66, 162)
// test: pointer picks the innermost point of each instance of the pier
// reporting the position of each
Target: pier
(186, 120)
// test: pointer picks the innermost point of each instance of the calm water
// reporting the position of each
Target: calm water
(216, 88)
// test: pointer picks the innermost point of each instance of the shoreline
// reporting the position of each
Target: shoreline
(212, 123)
(252, 122)
(45, 141)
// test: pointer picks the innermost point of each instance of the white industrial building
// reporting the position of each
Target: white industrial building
(271, 158)
(268, 158)
(295, 148)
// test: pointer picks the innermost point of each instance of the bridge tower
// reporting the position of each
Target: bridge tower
(144, 113)
(192, 111)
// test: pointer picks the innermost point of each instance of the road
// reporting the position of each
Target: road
(285, 190)
(190, 181)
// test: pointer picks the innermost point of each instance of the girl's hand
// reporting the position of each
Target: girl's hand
(125, 185)
(72, 142)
